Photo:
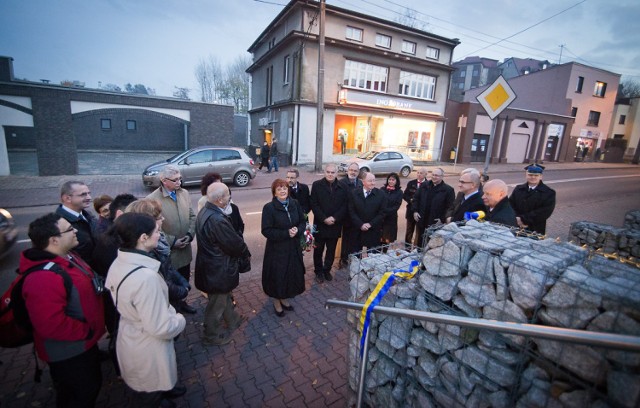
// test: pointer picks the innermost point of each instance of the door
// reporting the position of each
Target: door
(194, 166)
(479, 147)
(551, 148)
(225, 162)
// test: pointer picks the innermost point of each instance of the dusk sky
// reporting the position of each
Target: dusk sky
(158, 43)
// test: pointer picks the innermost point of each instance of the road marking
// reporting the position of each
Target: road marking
(23, 241)
(253, 213)
(580, 179)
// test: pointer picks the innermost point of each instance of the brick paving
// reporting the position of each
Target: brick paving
(299, 360)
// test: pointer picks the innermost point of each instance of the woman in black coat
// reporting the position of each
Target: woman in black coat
(283, 224)
(394, 200)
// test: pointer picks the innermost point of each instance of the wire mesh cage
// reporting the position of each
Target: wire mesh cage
(482, 270)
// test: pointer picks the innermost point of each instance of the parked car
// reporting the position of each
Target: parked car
(8, 232)
(232, 163)
(382, 162)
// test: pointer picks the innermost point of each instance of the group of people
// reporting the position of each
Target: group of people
(269, 156)
(130, 267)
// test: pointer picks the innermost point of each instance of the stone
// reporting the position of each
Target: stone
(425, 340)
(424, 379)
(499, 399)
(566, 295)
(527, 285)
(475, 294)
(477, 399)
(480, 268)
(505, 311)
(480, 362)
(583, 361)
(569, 317)
(395, 331)
(443, 261)
(502, 291)
(404, 288)
(538, 396)
(359, 286)
(506, 356)
(442, 287)
(624, 388)
(466, 308)
(383, 371)
(575, 399)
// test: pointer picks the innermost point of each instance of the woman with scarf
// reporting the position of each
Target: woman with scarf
(394, 200)
(283, 223)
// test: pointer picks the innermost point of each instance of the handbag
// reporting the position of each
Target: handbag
(244, 265)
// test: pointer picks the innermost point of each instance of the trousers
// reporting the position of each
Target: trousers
(77, 380)
(219, 308)
(321, 267)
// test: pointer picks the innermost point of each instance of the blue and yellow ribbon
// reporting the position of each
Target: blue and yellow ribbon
(378, 293)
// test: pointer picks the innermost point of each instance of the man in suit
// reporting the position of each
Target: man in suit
(408, 195)
(75, 198)
(498, 208)
(299, 191)
(533, 201)
(431, 203)
(349, 232)
(366, 208)
(329, 206)
(469, 198)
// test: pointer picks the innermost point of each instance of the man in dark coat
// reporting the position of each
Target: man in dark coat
(299, 191)
(366, 208)
(329, 205)
(274, 155)
(469, 198)
(264, 156)
(533, 201)
(220, 248)
(498, 208)
(75, 198)
(349, 232)
(431, 203)
(408, 196)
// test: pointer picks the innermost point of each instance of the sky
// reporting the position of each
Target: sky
(158, 43)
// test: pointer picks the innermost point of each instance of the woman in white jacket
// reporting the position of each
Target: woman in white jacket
(148, 324)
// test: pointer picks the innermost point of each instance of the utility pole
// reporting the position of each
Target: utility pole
(320, 107)
(561, 48)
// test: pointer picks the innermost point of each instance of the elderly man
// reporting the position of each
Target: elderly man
(497, 203)
(329, 205)
(64, 302)
(349, 231)
(366, 208)
(408, 196)
(469, 197)
(220, 249)
(431, 203)
(299, 191)
(533, 201)
(75, 198)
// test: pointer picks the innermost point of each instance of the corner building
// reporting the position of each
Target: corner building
(385, 85)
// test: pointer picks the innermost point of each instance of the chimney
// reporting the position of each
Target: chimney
(6, 69)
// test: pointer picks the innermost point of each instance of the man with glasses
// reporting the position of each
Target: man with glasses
(299, 191)
(469, 197)
(66, 329)
(431, 203)
(75, 198)
(179, 218)
(329, 205)
(408, 196)
(533, 201)
(349, 231)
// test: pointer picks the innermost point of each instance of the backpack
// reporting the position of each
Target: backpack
(15, 325)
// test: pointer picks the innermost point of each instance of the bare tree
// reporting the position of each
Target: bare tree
(629, 88)
(236, 86)
(182, 93)
(410, 19)
(209, 76)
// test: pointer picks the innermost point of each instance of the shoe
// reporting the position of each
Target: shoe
(288, 308)
(185, 308)
(167, 403)
(177, 391)
(238, 323)
(319, 278)
(219, 340)
(280, 313)
(328, 277)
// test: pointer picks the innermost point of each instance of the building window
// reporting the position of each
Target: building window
(474, 73)
(574, 111)
(285, 71)
(600, 89)
(354, 34)
(269, 89)
(433, 53)
(409, 47)
(365, 76)
(131, 125)
(579, 84)
(618, 136)
(594, 118)
(463, 73)
(383, 41)
(272, 43)
(417, 85)
(105, 124)
(461, 85)
(623, 118)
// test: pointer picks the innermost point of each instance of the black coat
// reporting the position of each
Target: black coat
(473, 203)
(85, 234)
(220, 248)
(502, 214)
(349, 187)
(264, 151)
(533, 207)
(302, 195)
(328, 200)
(370, 210)
(390, 222)
(282, 267)
(433, 202)
(410, 193)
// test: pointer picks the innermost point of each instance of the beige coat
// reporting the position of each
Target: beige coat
(179, 219)
(148, 324)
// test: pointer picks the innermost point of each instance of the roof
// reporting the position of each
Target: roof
(486, 62)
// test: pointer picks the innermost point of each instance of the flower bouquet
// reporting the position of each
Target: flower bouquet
(307, 241)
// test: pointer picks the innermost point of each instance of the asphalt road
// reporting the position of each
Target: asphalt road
(600, 195)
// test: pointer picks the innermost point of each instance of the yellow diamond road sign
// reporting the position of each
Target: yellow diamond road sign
(497, 97)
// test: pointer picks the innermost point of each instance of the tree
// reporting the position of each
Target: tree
(181, 93)
(111, 87)
(410, 19)
(139, 89)
(629, 89)
(209, 75)
(229, 86)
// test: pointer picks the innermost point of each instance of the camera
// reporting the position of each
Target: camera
(98, 284)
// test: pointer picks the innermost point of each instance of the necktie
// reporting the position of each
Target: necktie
(173, 196)
(366, 194)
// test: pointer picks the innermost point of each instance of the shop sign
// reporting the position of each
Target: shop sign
(353, 97)
(589, 133)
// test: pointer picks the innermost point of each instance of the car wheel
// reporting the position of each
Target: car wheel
(241, 179)
(405, 171)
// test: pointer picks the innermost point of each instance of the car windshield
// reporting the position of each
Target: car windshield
(367, 155)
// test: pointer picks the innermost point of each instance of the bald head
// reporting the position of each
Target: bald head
(369, 181)
(494, 191)
(421, 174)
(218, 194)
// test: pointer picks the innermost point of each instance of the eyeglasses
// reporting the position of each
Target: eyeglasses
(437, 175)
(464, 182)
(178, 180)
(65, 231)
(85, 194)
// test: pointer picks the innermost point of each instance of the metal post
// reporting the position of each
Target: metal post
(462, 123)
(490, 147)
(363, 369)
(320, 107)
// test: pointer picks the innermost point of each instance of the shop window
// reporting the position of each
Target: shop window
(433, 53)
(354, 34)
(409, 47)
(105, 124)
(594, 118)
(365, 76)
(131, 125)
(599, 89)
(383, 41)
(417, 85)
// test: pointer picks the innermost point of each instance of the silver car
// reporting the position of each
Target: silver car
(232, 163)
(382, 162)
(8, 232)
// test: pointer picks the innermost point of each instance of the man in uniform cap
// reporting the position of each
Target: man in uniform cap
(533, 201)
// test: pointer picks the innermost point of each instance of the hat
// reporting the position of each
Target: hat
(534, 168)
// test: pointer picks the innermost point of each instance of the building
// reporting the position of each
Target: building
(385, 85)
(626, 126)
(472, 72)
(559, 114)
(53, 124)
(514, 67)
